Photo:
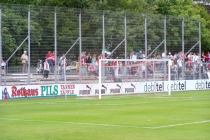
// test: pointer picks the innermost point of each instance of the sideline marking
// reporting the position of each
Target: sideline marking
(172, 99)
(111, 125)
(180, 124)
(97, 104)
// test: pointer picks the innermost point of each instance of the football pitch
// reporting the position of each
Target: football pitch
(181, 116)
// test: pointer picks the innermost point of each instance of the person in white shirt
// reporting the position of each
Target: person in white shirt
(24, 61)
(3, 67)
(63, 65)
(46, 69)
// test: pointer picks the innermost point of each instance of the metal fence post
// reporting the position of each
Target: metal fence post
(125, 32)
(183, 47)
(145, 42)
(80, 42)
(145, 36)
(199, 35)
(29, 46)
(103, 30)
(55, 45)
(165, 51)
(165, 32)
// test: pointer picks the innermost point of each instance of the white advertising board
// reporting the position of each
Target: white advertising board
(106, 88)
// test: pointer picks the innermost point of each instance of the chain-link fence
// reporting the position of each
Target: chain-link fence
(71, 40)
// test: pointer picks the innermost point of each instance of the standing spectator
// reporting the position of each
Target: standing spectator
(189, 60)
(180, 66)
(208, 56)
(88, 59)
(83, 64)
(203, 57)
(63, 66)
(39, 67)
(24, 61)
(3, 67)
(170, 56)
(46, 69)
(51, 60)
(163, 55)
(133, 56)
(93, 60)
(140, 55)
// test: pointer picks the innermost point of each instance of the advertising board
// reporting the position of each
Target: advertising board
(21, 91)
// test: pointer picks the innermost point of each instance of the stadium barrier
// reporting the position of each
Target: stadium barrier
(53, 90)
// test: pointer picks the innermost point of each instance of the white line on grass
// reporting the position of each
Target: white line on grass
(115, 104)
(99, 104)
(181, 124)
(110, 125)
(75, 123)
(112, 104)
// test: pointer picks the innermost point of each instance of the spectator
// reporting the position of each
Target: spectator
(140, 55)
(170, 56)
(163, 55)
(83, 64)
(203, 57)
(63, 66)
(39, 68)
(180, 63)
(88, 59)
(133, 55)
(3, 67)
(51, 60)
(46, 69)
(24, 61)
(208, 57)
(93, 60)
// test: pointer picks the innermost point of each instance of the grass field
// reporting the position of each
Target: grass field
(181, 116)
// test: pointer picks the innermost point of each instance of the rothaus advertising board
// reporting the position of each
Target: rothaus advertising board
(29, 91)
(106, 88)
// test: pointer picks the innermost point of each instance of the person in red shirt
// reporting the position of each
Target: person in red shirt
(50, 57)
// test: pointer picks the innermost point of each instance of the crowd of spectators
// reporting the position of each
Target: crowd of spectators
(183, 66)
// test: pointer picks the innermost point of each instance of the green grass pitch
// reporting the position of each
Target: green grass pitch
(181, 116)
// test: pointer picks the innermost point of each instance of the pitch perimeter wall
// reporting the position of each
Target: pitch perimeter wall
(21, 91)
